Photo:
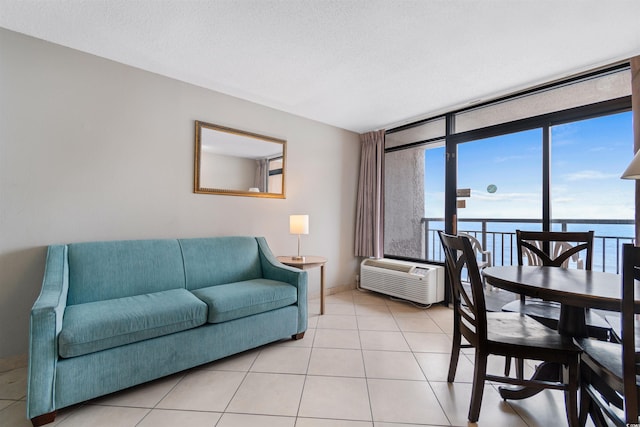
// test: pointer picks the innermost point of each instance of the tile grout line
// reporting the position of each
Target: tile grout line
(364, 367)
(306, 374)
(413, 353)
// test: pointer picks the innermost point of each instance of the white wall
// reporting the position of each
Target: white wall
(94, 150)
(228, 172)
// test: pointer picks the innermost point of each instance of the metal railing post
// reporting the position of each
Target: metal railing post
(484, 235)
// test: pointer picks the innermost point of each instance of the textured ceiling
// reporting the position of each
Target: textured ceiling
(356, 64)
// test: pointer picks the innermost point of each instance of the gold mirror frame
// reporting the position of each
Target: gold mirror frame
(222, 144)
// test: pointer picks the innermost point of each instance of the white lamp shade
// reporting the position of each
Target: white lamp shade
(633, 170)
(299, 224)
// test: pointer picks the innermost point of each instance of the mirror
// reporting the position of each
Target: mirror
(237, 163)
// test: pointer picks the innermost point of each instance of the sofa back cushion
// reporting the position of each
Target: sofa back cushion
(220, 260)
(107, 270)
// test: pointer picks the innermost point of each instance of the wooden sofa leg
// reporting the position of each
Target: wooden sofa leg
(43, 419)
(297, 336)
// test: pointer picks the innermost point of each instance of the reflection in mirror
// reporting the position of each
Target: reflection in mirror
(233, 162)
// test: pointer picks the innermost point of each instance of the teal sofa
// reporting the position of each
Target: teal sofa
(112, 315)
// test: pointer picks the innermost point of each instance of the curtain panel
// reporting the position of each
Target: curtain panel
(369, 205)
(262, 175)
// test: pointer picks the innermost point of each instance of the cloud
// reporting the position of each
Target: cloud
(509, 158)
(589, 175)
(564, 200)
(483, 195)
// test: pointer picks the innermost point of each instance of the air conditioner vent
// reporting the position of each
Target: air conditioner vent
(389, 265)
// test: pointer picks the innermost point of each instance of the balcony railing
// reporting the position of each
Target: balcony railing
(498, 236)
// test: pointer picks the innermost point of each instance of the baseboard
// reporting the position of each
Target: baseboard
(332, 290)
(340, 288)
(14, 362)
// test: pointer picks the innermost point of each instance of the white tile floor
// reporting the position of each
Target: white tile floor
(368, 362)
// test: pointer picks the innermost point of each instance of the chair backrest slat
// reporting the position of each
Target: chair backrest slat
(555, 248)
(468, 302)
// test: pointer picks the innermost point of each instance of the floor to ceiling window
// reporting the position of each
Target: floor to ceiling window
(548, 158)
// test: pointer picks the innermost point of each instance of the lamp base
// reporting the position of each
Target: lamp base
(297, 258)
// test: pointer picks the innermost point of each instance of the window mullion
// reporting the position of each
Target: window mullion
(546, 178)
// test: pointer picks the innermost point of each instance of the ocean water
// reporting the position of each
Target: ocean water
(501, 241)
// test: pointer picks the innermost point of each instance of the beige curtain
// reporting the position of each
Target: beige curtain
(262, 174)
(369, 211)
(635, 102)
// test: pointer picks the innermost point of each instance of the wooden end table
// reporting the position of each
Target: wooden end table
(306, 263)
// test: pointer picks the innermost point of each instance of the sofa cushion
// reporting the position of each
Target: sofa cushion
(220, 260)
(107, 270)
(95, 326)
(240, 299)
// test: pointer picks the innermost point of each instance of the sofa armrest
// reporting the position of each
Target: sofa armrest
(45, 325)
(275, 270)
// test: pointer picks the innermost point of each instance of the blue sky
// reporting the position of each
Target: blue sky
(587, 160)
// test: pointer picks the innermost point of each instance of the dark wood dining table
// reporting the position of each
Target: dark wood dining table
(576, 290)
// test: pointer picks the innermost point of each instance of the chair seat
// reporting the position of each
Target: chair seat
(616, 328)
(548, 313)
(605, 358)
(515, 329)
(602, 355)
(609, 389)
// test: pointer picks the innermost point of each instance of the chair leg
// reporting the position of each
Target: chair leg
(570, 377)
(585, 406)
(479, 374)
(507, 366)
(455, 354)
(520, 369)
(589, 408)
(597, 417)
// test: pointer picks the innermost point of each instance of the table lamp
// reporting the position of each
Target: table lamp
(633, 170)
(298, 224)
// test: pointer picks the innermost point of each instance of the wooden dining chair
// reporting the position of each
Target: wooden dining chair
(609, 371)
(556, 249)
(501, 333)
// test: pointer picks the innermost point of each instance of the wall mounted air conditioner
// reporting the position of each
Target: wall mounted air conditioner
(422, 283)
